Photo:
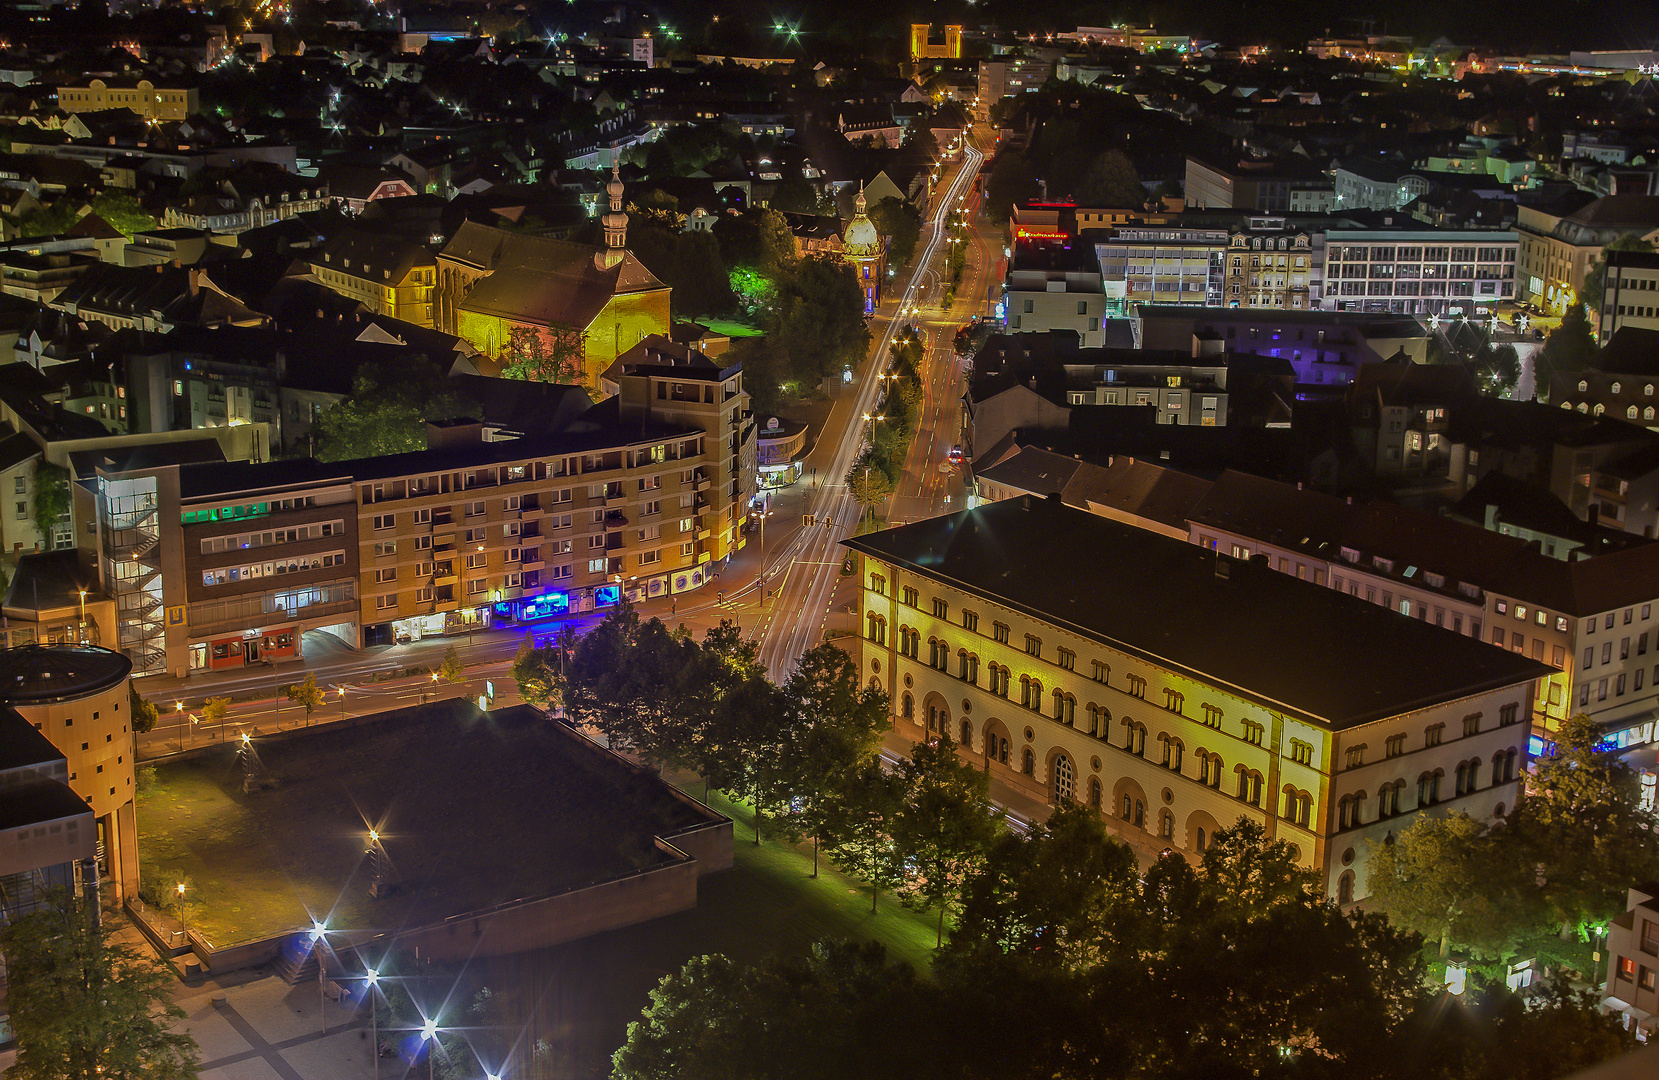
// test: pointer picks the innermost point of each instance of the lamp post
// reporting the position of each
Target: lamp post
(342, 690)
(83, 617)
(184, 923)
(180, 705)
(318, 946)
(429, 1035)
(372, 977)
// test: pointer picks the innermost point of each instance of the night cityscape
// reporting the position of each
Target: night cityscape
(726, 542)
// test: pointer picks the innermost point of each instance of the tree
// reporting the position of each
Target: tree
(1498, 368)
(900, 222)
(1569, 348)
(1449, 879)
(556, 353)
(819, 319)
(856, 821)
(144, 714)
(50, 502)
(945, 827)
(539, 671)
(1012, 180)
(1595, 279)
(52, 220)
(1112, 181)
(777, 250)
(1582, 826)
(124, 212)
(387, 410)
(451, 669)
(790, 1018)
(85, 1007)
(306, 693)
(1056, 895)
(869, 486)
(215, 709)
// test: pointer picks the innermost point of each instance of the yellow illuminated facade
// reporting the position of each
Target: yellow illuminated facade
(923, 49)
(142, 97)
(624, 322)
(1166, 757)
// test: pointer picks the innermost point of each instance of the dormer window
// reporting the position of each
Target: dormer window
(1615, 388)
(1583, 386)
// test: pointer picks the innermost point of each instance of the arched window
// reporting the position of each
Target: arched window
(1025, 690)
(1140, 815)
(1060, 705)
(1094, 792)
(1128, 807)
(1200, 841)
(1345, 888)
(1035, 704)
(1028, 762)
(1462, 772)
(967, 740)
(1509, 765)
(908, 707)
(1166, 825)
(1065, 780)
(1424, 783)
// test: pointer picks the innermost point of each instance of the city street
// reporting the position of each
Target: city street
(805, 572)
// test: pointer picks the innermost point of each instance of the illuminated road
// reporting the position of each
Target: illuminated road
(804, 574)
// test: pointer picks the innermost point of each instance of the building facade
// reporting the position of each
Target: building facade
(1055, 285)
(1630, 293)
(387, 276)
(1271, 271)
(1069, 687)
(1415, 271)
(142, 96)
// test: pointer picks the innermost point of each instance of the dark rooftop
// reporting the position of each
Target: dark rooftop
(21, 745)
(50, 579)
(42, 674)
(40, 800)
(1263, 635)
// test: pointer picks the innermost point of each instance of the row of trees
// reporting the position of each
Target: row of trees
(875, 472)
(1557, 868)
(803, 754)
(1069, 962)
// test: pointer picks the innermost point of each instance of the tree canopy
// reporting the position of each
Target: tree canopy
(387, 410)
(83, 1006)
(545, 354)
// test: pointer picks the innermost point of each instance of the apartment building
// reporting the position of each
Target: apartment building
(644, 497)
(1562, 240)
(1591, 620)
(1223, 698)
(1160, 264)
(1272, 271)
(145, 97)
(388, 276)
(216, 565)
(1422, 271)
(1055, 285)
(1630, 293)
(1632, 987)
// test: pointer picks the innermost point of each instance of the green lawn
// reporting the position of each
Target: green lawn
(732, 329)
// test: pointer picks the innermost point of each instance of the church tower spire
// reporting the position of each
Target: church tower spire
(615, 222)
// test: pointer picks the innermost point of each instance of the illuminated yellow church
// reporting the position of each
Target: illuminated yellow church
(491, 281)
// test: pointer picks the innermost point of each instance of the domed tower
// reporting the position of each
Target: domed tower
(862, 246)
(615, 222)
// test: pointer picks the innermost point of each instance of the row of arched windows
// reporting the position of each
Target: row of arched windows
(1391, 796)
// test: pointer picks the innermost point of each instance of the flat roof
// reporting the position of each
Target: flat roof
(37, 801)
(22, 746)
(1287, 644)
(42, 674)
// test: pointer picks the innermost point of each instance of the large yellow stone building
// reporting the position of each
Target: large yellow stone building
(1175, 689)
(388, 276)
(142, 96)
(491, 281)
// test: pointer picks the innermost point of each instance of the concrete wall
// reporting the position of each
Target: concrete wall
(553, 920)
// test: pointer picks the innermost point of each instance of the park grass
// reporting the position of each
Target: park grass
(732, 329)
(473, 812)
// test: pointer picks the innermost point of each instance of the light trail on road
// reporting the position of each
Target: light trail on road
(801, 604)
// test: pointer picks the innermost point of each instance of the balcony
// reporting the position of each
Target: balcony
(615, 520)
(530, 556)
(701, 480)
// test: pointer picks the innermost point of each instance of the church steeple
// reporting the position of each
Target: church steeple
(615, 222)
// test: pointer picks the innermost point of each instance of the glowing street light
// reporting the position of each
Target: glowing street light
(318, 945)
(372, 977)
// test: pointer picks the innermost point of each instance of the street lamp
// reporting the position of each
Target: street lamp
(429, 1033)
(372, 977)
(180, 705)
(184, 923)
(83, 616)
(318, 946)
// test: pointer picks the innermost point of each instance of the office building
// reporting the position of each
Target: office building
(1012, 629)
